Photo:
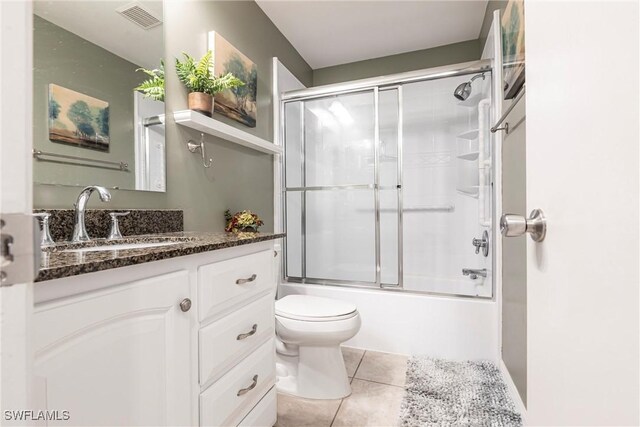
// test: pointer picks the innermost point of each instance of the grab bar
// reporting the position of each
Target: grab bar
(39, 155)
(495, 128)
(447, 208)
(444, 208)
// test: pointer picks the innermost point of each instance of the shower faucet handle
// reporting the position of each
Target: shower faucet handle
(478, 243)
(482, 243)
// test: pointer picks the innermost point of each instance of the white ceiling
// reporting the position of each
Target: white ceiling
(99, 23)
(329, 32)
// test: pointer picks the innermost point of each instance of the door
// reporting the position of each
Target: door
(15, 205)
(117, 357)
(582, 170)
(330, 177)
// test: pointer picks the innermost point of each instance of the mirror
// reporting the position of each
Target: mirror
(91, 125)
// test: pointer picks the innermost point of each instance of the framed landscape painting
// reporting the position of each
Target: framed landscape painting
(78, 119)
(238, 103)
(513, 59)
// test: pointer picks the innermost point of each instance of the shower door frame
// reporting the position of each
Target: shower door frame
(375, 85)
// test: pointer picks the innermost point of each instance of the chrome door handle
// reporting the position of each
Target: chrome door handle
(248, 389)
(516, 225)
(253, 330)
(243, 281)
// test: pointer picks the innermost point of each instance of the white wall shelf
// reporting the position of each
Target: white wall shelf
(209, 126)
(471, 191)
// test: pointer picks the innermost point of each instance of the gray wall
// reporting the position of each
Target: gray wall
(514, 252)
(240, 178)
(63, 58)
(443, 55)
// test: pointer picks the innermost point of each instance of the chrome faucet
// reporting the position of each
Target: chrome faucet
(482, 244)
(474, 273)
(79, 229)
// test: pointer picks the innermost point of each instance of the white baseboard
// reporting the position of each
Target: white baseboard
(513, 391)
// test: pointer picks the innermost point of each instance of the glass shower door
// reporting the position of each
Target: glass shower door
(446, 164)
(389, 186)
(330, 180)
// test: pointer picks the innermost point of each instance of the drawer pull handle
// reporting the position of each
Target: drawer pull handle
(250, 279)
(253, 330)
(251, 387)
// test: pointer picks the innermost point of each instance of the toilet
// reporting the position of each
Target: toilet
(309, 332)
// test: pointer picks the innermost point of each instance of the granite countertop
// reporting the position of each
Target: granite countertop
(65, 259)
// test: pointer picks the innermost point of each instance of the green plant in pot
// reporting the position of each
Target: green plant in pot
(153, 87)
(202, 84)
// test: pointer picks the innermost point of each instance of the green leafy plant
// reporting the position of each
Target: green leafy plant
(154, 86)
(198, 77)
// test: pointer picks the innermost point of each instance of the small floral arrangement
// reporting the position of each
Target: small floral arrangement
(242, 221)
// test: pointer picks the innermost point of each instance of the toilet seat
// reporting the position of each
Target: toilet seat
(309, 308)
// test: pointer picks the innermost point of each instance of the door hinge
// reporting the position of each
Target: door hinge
(19, 248)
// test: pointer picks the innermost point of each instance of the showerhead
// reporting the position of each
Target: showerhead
(463, 90)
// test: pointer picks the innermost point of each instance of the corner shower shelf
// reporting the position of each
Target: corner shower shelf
(469, 191)
(471, 134)
(204, 124)
(472, 155)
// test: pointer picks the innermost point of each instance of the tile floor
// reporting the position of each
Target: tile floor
(377, 382)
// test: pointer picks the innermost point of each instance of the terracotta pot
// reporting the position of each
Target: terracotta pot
(201, 102)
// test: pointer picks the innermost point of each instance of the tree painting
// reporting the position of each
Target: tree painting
(54, 109)
(103, 121)
(238, 103)
(80, 114)
(78, 119)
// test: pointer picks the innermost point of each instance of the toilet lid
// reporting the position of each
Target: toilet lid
(307, 307)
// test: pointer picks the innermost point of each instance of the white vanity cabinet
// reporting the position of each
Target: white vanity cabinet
(117, 356)
(117, 348)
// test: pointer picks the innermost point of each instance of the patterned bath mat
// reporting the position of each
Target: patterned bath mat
(445, 393)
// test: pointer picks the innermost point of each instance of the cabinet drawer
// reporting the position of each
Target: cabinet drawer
(232, 397)
(265, 413)
(226, 341)
(224, 284)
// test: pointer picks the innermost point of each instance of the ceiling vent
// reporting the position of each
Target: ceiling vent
(135, 13)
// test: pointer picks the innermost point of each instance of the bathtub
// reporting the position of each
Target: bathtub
(394, 321)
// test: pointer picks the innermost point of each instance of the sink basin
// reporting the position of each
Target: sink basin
(121, 247)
